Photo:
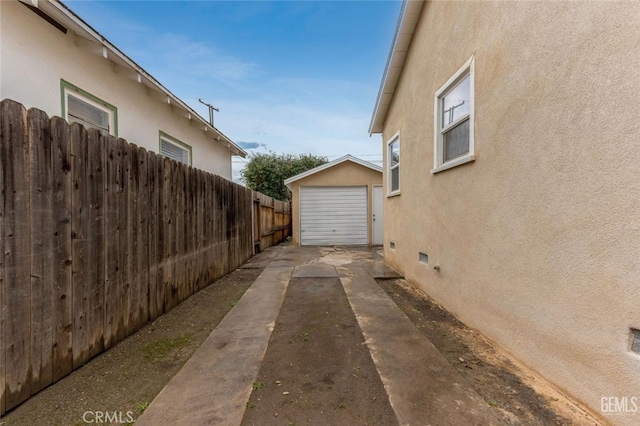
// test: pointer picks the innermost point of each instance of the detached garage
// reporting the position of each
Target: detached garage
(338, 203)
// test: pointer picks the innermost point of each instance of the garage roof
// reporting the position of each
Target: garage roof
(331, 164)
(409, 14)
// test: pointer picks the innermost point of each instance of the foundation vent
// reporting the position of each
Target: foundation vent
(635, 340)
(392, 245)
(423, 257)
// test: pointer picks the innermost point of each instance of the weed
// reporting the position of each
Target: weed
(292, 423)
(341, 406)
(142, 407)
(304, 336)
(257, 385)
(251, 405)
(162, 347)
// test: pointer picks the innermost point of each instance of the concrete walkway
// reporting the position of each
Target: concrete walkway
(214, 386)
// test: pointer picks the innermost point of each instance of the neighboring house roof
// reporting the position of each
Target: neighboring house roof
(409, 14)
(331, 164)
(89, 39)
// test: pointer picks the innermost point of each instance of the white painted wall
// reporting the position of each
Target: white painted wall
(34, 56)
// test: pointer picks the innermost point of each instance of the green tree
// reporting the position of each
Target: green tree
(266, 172)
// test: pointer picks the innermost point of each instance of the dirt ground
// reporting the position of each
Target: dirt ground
(517, 394)
(126, 378)
(317, 369)
(316, 353)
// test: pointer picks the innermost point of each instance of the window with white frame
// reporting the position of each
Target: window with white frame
(93, 113)
(393, 165)
(453, 137)
(174, 149)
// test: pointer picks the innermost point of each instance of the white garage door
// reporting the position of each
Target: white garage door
(335, 215)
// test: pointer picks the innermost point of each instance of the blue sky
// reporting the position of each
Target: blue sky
(288, 76)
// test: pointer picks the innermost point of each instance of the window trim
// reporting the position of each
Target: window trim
(390, 141)
(439, 165)
(68, 88)
(177, 142)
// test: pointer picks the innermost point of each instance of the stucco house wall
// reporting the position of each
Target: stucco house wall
(35, 57)
(344, 174)
(538, 239)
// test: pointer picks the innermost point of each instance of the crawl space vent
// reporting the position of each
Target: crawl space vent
(635, 340)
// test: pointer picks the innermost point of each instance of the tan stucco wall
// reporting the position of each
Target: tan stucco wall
(538, 240)
(34, 56)
(344, 174)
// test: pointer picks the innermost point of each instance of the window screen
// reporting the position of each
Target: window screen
(86, 114)
(456, 141)
(174, 151)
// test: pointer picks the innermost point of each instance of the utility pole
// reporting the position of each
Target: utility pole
(211, 109)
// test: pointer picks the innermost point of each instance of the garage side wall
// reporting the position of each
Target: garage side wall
(537, 240)
(343, 174)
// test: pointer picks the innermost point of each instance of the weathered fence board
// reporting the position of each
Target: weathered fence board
(2, 281)
(111, 191)
(96, 244)
(62, 255)
(99, 237)
(17, 250)
(133, 279)
(143, 238)
(124, 285)
(42, 267)
(152, 234)
(79, 243)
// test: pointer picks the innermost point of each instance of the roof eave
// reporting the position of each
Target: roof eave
(86, 31)
(330, 164)
(407, 21)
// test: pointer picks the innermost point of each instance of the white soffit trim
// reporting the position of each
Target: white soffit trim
(89, 39)
(409, 15)
(331, 164)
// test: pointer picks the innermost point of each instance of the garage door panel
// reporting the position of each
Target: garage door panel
(333, 215)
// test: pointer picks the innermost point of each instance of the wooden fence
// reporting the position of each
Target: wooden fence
(99, 237)
(273, 223)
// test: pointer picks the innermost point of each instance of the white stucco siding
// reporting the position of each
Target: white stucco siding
(35, 56)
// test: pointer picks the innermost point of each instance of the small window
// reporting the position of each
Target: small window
(174, 149)
(393, 165)
(454, 120)
(81, 107)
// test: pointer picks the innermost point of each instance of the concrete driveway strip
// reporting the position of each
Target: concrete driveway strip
(423, 388)
(214, 386)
